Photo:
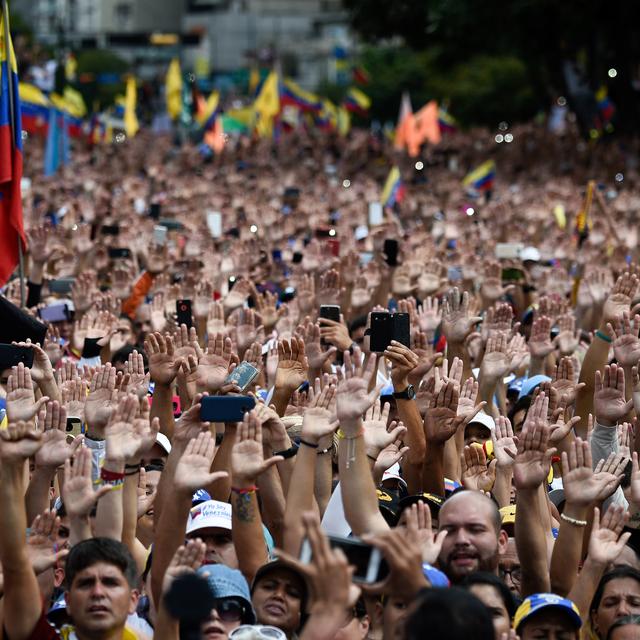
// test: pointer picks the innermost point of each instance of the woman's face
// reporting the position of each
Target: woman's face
(214, 628)
(491, 599)
(621, 597)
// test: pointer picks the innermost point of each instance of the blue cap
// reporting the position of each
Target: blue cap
(538, 601)
(229, 583)
(435, 576)
(531, 383)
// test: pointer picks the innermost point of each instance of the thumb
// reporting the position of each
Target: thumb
(214, 477)
(103, 490)
(40, 403)
(269, 462)
(327, 354)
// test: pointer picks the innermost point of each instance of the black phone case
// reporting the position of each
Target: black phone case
(183, 313)
(401, 328)
(381, 332)
(12, 356)
(225, 408)
(330, 312)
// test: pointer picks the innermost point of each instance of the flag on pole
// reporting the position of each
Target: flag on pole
(393, 190)
(11, 223)
(583, 219)
(481, 178)
(131, 125)
(173, 89)
(267, 105)
(357, 101)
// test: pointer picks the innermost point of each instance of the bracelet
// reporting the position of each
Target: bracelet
(308, 444)
(573, 521)
(244, 492)
(321, 452)
(603, 336)
(111, 476)
(131, 469)
(343, 436)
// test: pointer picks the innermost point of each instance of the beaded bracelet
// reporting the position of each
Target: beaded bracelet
(573, 521)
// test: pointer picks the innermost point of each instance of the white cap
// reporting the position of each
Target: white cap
(163, 441)
(484, 419)
(209, 514)
(530, 253)
(393, 473)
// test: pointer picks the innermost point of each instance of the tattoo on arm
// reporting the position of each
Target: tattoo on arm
(244, 507)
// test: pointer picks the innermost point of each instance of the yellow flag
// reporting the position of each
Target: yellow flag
(267, 105)
(75, 101)
(344, 121)
(131, 125)
(173, 89)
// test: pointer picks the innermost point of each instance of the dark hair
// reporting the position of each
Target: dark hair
(358, 323)
(522, 403)
(490, 579)
(89, 552)
(623, 622)
(122, 354)
(614, 574)
(449, 614)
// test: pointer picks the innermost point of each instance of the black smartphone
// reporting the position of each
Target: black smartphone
(110, 230)
(390, 250)
(183, 313)
(401, 328)
(386, 327)
(243, 375)
(61, 286)
(119, 253)
(330, 312)
(55, 313)
(171, 224)
(154, 210)
(297, 258)
(370, 565)
(225, 408)
(12, 356)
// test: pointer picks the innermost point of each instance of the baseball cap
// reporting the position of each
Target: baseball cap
(539, 601)
(209, 514)
(388, 503)
(484, 419)
(163, 441)
(508, 518)
(557, 497)
(433, 501)
(529, 385)
(436, 577)
(530, 254)
(225, 582)
(393, 473)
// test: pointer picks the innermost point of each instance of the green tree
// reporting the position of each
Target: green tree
(92, 63)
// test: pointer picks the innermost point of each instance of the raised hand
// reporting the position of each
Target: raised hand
(403, 362)
(293, 366)
(138, 379)
(189, 426)
(306, 294)
(157, 317)
(42, 550)
(78, 494)
(19, 441)
(564, 381)
(441, 420)
(540, 343)
(495, 364)
(497, 319)
(187, 559)
(102, 394)
(215, 319)
(491, 288)
(377, 435)
(619, 299)
(163, 365)
(238, 295)
(429, 316)
(607, 540)
(55, 445)
(41, 370)
(21, 402)
(457, 322)
(213, 364)
(74, 397)
(247, 455)
(123, 441)
(504, 443)
(476, 475)
(609, 403)
(568, 337)
(248, 328)
(353, 397)
(318, 421)
(626, 344)
(313, 349)
(329, 291)
(193, 470)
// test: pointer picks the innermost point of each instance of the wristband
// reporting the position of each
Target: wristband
(111, 476)
(286, 453)
(603, 336)
(573, 521)
(308, 444)
(343, 436)
(244, 492)
(91, 348)
(321, 452)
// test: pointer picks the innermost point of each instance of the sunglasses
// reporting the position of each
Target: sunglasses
(229, 609)
(253, 631)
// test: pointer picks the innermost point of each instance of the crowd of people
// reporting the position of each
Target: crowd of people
(478, 478)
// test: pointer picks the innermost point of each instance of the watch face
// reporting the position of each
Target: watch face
(411, 392)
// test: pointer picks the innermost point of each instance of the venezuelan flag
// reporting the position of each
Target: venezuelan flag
(446, 121)
(34, 106)
(357, 101)
(482, 177)
(293, 94)
(393, 190)
(11, 224)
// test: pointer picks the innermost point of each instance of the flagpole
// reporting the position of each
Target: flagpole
(7, 40)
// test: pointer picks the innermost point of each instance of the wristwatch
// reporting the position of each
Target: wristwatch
(408, 394)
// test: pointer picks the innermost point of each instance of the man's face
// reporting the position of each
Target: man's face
(277, 599)
(510, 571)
(472, 542)
(100, 599)
(476, 433)
(549, 624)
(220, 549)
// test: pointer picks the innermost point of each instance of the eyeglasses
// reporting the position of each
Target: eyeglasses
(229, 609)
(514, 574)
(257, 631)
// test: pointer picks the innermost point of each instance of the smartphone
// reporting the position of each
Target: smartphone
(225, 408)
(183, 312)
(297, 257)
(330, 311)
(171, 224)
(110, 230)
(154, 210)
(119, 252)
(74, 426)
(243, 375)
(55, 313)
(214, 222)
(12, 356)
(61, 286)
(370, 566)
(375, 213)
(160, 235)
(512, 274)
(390, 250)
(508, 250)
(386, 327)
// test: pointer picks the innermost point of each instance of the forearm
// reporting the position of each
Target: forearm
(49, 388)
(567, 550)
(486, 391)
(451, 461)
(531, 543)
(585, 586)
(324, 478)
(324, 622)
(536, 366)
(37, 497)
(359, 496)
(433, 469)
(162, 408)
(130, 509)
(409, 414)
(502, 486)
(109, 515)
(272, 503)
(280, 399)
(166, 627)
(285, 466)
(247, 530)
(221, 489)
(456, 349)
(79, 529)
(165, 491)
